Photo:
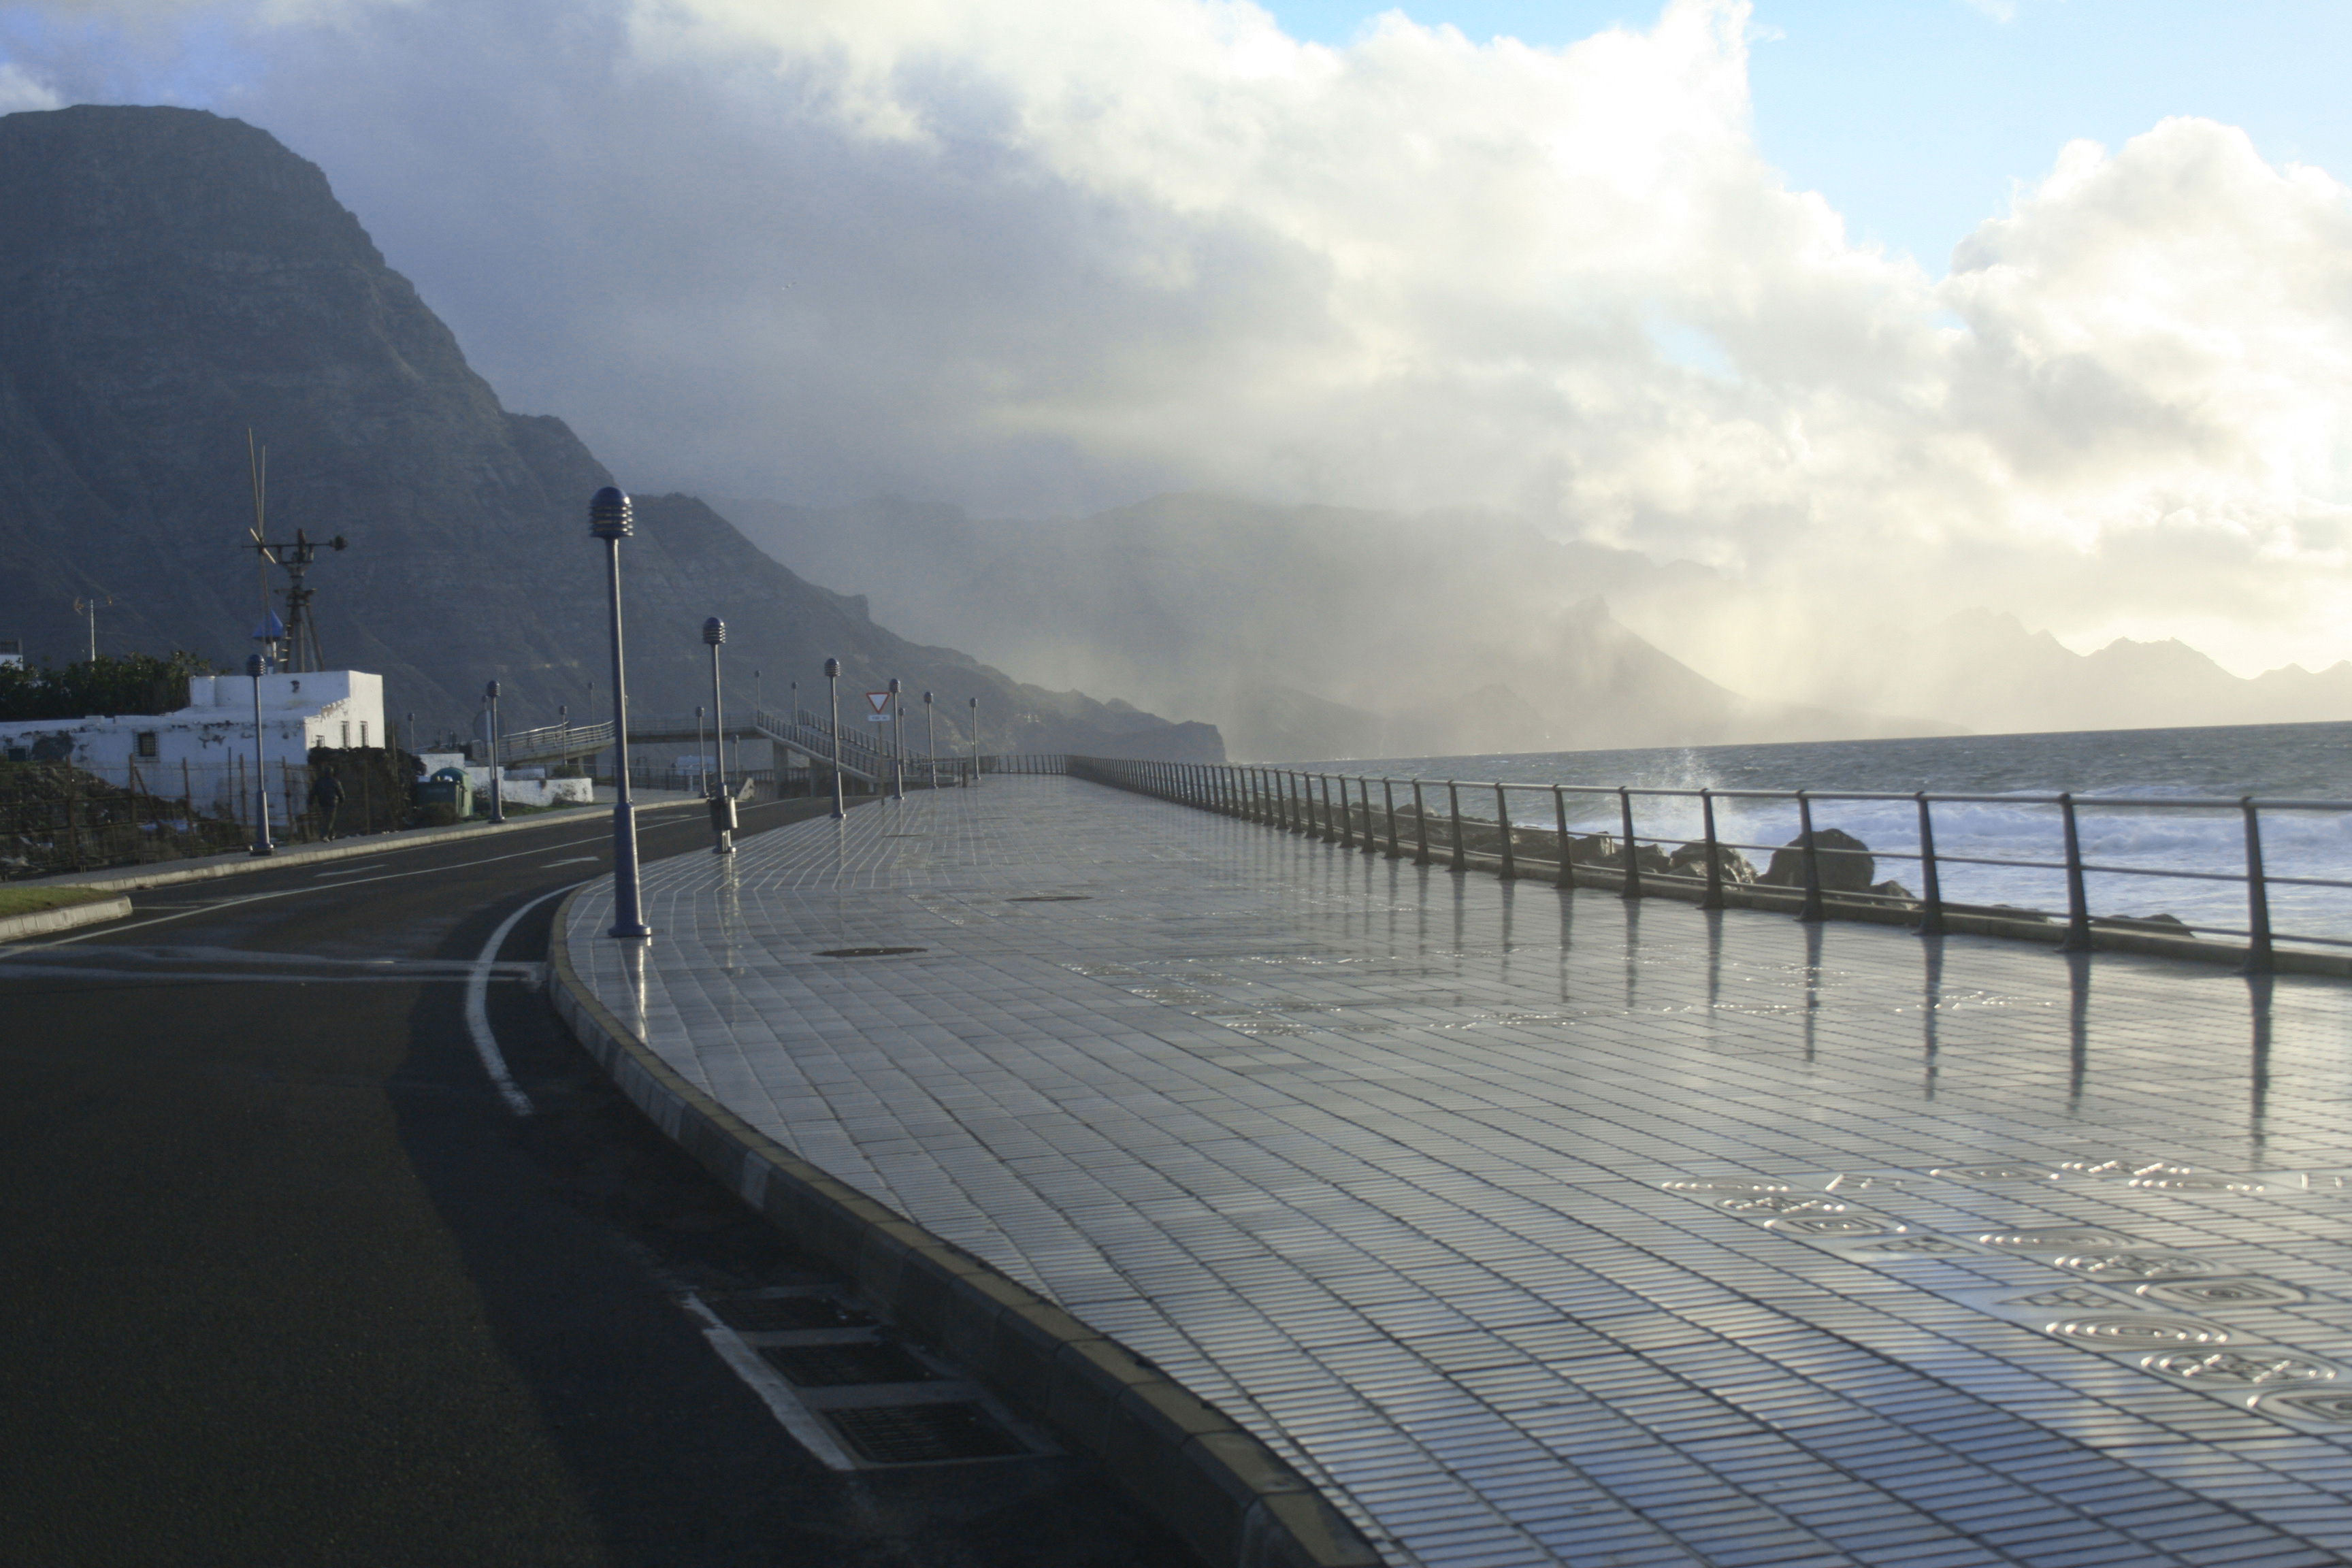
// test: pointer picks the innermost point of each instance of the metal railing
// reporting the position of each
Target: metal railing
(1820, 871)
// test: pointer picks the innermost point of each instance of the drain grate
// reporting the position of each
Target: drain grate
(1051, 899)
(868, 951)
(2138, 1331)
(2336, 1409)
(2076, 1241)
(2230, 1367)
(2138, 1265)
(2223, 1293)
(785, 1314)
(835, 1366)
(921, 1434)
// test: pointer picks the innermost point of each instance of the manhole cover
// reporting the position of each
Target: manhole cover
(1912, 1246)
(785, 1314)
(2330, 1406)
(2222, 1293)
(1996, 1174)
(2199, 1184)
(2076, 1241)
(2135, 1266)
(835, 1366)
(1780, 1204)
(868, 951)
(2137, 1332)
(921, 1434)
(1051, 899)
(2072, 1295)
(1827, 1225)
(2239, 1369)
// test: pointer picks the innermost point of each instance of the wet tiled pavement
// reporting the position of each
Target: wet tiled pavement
(1541, 1228)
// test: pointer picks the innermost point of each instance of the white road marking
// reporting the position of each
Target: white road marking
(782, 1404)
(354, 871)
(86, 934)
(478, 1008)
(575, 861)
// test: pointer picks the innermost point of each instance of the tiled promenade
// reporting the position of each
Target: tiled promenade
(1541, 1228)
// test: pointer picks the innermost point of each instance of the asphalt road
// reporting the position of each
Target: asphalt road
(286, 1280)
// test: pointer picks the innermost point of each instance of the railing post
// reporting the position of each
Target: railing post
(1388, 797)
(1632, 887)
(1503, 823)
(2078, 903)
(1931, 880)
(1420, 822)
(1372, 822)
(1290, 800)
(1453, 798)
(1809, 854)
(1567, 877)
(1331, 834)
(1713, 899)
(2259, 959)
(1347, 815)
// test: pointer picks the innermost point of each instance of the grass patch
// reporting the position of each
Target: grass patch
(28, 900)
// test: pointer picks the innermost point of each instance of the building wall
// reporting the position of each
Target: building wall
(207, 747)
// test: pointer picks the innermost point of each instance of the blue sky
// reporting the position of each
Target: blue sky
(1914, 117)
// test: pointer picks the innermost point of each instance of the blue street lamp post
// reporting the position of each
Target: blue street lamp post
(611, 519)
(498, 777)
(257, 666)
(722, 805)
(833, 679)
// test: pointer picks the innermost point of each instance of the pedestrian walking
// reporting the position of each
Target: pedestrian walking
(326, 795)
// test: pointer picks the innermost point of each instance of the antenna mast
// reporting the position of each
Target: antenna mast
(295, 557)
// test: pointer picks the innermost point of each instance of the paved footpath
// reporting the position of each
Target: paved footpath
(1541, 1228)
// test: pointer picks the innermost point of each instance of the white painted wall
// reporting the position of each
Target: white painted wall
(210, 741)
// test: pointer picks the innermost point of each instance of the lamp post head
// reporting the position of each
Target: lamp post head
(491, 691)
(714, 631)
(697, 709)
(927, 699)
(894, 686)
(609, 515)
(975, 704)
(255, 665)
(833, 670)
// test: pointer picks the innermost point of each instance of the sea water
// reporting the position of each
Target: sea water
(2188, 863)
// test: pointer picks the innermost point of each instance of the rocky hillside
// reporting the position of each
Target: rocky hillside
(169, 280)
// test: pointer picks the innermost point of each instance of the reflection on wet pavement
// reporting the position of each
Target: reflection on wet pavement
(1542, 1227)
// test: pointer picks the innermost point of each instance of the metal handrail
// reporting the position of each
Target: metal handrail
(1323, 805)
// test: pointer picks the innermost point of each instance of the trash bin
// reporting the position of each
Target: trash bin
(447, 787)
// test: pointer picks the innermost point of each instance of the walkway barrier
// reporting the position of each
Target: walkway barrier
(1676, 843)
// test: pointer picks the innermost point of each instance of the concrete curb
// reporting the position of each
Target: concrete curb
(65, 918)
(137, 876)
(1185, 1462)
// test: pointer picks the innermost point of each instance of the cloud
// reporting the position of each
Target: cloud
(1047, 255)
(19, 89)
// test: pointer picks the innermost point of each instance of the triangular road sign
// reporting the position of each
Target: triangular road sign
(879, 701)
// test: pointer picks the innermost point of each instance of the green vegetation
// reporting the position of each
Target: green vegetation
(135, 683)
(28, 900)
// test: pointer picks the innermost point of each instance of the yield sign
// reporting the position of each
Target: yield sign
(879, 701)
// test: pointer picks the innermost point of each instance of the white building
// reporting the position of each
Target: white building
(205, 748)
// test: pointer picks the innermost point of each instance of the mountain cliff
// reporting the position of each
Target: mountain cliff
(171, 279)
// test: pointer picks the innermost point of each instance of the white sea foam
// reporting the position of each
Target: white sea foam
(2296, 761)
